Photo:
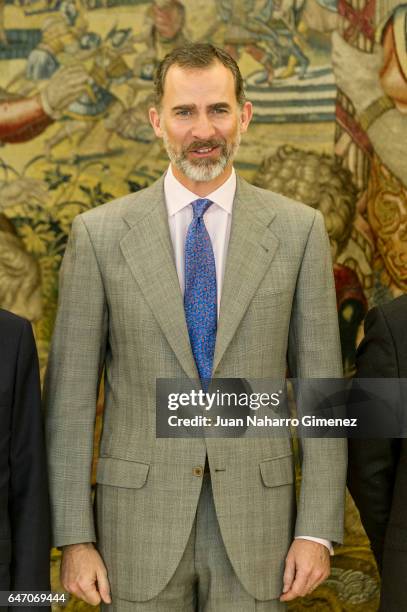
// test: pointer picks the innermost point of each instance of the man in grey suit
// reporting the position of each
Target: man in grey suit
(204, 524)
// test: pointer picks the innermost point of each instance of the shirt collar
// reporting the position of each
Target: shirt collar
(177, 196)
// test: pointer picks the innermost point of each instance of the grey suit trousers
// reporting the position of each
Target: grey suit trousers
(204, 580)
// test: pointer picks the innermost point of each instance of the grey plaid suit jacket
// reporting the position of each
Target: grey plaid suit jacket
(121, 308)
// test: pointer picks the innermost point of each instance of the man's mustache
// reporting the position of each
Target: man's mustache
(204, 144)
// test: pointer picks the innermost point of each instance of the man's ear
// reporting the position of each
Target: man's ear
(154, 117)
(246, 115)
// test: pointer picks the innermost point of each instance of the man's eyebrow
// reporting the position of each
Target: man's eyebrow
(219, 105)
(193, 106)
(183, 107)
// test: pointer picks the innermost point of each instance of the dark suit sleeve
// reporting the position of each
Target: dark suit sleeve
(372, 464)
(29, 505)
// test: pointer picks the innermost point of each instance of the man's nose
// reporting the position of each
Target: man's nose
(203, 128)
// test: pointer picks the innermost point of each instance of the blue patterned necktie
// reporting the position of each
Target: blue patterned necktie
(200, 299)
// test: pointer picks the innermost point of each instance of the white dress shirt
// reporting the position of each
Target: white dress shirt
(218, 220)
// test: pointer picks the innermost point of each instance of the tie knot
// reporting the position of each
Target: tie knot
(199, 207)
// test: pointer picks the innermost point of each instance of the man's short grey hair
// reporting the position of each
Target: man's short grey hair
(197, 55)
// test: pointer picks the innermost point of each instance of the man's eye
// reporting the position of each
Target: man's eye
(183, 113)
(220, 111)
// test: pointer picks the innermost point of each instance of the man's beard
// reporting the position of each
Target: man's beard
(205, 169)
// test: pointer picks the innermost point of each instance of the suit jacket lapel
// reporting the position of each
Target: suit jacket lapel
(251, 249)
(148, 251)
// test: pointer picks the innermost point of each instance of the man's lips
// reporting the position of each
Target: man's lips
(204, 151)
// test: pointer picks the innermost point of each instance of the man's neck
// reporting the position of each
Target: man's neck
(202, 188)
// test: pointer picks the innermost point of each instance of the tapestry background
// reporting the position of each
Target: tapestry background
(328, 79)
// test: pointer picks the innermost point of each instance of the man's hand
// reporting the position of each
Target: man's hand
(84, 574)
(307, 565)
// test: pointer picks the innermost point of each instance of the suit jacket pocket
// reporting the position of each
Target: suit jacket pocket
(268, 296)
(121, 473)
(277, 471)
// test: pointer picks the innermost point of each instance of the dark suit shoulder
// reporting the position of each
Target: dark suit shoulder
(396, 312)
(389, 319)
(395, 315)
(383, 351)
(11, 325)
(17, 344)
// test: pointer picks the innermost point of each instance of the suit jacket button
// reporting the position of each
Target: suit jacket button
(198, 471)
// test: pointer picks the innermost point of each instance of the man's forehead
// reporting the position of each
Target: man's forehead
(181, 80)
